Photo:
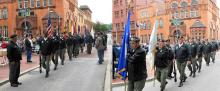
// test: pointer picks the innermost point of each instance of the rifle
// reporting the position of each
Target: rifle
(174, 72)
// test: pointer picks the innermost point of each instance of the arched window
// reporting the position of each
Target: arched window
(161, 23)
(174, 5)
(184, 4)
(194, 2)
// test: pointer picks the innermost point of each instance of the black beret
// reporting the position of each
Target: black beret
(13, 36)
(135, 39)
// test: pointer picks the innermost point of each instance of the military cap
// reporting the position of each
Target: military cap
(135, 39)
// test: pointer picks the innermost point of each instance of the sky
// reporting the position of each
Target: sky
(218, 3)
(101, 9)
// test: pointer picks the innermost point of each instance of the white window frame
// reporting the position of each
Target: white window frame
(32, 3)
(37, 3)
(1, 14)
(20, 4)
(44, 3)
(25, 3)
(50, 3)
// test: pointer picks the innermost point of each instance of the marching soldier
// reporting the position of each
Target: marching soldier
(14, 56)
(193, 60)
(162, 62)
(200, 55)
(46, 50)
(76, 45)
(55, 51)
(182, 54)
(171, 55)
(137, 71)
(81, 42)
(62, 48)
(89, 41)
(69, 43)
(207, 51)
(214, 49)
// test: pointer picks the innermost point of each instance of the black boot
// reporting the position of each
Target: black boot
(181, 84)
(194, 74)
(191, 73)
(47, 74)
(184, 80)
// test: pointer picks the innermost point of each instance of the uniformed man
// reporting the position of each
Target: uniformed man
(207, 51)
(46, 50)
(89, 41)
(193, 58)
(55, 51)
(200, 55)
(214, 49)
(137, 71)
(171, 55)
(182, 54)
(76, 45)
(14, 55)
(162, 62)
(81, 42)
(69, 43)
(62, 48)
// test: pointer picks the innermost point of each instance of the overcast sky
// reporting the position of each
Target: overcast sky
(101, 9)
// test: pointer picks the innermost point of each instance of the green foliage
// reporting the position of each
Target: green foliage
(101, 27)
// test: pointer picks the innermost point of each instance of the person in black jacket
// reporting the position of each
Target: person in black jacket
(193, 63)
(136, 67)
(162, 63)
(46, 51)
(62, 45)
(182, 55)
(28, 47)
(55, 49)
(207, 51)
(200, 55)
(14, 56)
(214, 49)
(69, 43)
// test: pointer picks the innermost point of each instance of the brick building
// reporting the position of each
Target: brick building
(30, 16)
(197, 19)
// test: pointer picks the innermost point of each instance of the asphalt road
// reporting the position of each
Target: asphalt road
(207, 80)
(81, 74)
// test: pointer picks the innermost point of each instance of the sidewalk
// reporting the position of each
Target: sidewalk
(24, 67)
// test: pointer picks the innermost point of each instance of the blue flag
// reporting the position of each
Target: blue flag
(122, 63)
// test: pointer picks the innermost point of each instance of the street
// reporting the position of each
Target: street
(81, 74)
(207, 80)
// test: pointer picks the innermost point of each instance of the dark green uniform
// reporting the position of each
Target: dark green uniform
(14, 56)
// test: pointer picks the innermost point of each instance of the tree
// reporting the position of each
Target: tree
(100, 27)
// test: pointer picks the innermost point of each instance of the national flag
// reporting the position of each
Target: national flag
(49, 27)
(152, 45)
(121, 70)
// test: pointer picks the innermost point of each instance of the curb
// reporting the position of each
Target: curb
(107, 81)
(122, 83)
(22, 73)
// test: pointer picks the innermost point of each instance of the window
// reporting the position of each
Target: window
(5, 13)
(184, 4)
(25, 3)
(143, 14)
(193, 14)
(50, 3)
(121, 13)
(182, 14)
(0, 14)
(19, 4)
(174, 5)
(161, 23)
(45, 3)
(38, 3)
(5, 31)
(144, 25)
(194, 2)
(32, 3)
(186, 14)
(176, 15)
(148, 24)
